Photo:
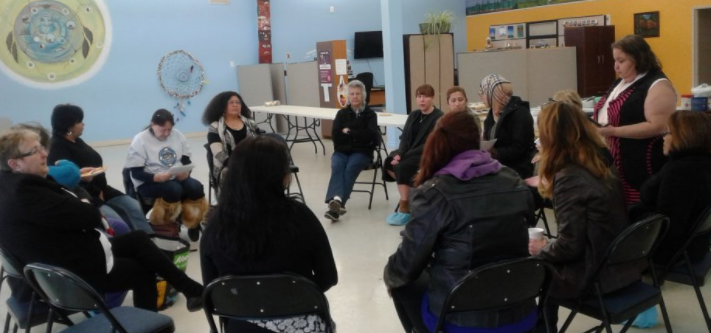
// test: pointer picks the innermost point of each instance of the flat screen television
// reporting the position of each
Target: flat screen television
(368, 44)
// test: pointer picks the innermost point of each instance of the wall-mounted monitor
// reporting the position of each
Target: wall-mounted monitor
(368, 44)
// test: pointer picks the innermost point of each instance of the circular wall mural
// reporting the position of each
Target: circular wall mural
(53, 44)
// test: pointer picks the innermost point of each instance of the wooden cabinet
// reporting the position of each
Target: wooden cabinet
(428, 59)
(594, 57)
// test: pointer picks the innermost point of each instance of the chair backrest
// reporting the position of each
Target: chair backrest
(264, 297)
(632, 248)
(128, 187)
(367, 79)
(636, 242)
(496, 286)
(62, 289)
(11, 266)
(700, 227)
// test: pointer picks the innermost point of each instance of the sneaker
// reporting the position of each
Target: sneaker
(342, 211)
(334, 206)
(398, 219)
(331, 216)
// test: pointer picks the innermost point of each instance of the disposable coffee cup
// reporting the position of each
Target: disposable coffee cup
(535, 233)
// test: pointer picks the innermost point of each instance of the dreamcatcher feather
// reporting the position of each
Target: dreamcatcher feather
(181, 75)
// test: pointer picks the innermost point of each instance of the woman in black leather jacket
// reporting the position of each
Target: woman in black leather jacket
(454, 231)
(587, 198)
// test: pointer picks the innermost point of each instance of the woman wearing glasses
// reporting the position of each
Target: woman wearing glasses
(43, 222)
(509, 122)
(681, 190)
(230, 122)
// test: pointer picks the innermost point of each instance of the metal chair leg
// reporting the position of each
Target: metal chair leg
(697, 289)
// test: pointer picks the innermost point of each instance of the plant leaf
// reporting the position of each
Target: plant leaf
(89, 35)
(8, 40)
(85, 49)
(13, 50)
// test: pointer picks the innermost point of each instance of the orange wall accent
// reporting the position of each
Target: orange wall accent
(673, 47)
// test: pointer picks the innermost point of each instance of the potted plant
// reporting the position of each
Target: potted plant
(437, 23)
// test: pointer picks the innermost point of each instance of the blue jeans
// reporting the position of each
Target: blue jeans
(173, 190)
(344, 171)
(130, 211)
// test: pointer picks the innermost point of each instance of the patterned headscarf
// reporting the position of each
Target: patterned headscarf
(490, 86)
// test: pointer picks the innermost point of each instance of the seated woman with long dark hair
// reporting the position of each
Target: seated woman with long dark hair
(590, 210)
(263, 231)
(467, 211)
(682, 189)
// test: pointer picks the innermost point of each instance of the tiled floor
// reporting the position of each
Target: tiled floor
(361, 243)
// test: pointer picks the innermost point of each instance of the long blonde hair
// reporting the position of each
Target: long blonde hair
(568, 138)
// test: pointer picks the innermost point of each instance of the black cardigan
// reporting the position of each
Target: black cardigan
(514, 145)
(413, 146)
(363, 136)
(42, 222)
(680, 191)
(84, 156)
(308, 254)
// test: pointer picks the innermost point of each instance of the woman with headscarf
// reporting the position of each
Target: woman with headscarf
(510, 123)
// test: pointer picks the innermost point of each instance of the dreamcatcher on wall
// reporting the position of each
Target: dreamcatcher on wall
(181, 75)
(52, 44)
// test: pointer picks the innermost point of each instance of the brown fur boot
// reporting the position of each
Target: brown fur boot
(164, 212)
(194, 212)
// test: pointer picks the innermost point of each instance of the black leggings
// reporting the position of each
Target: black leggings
(405, 171)
(137, 261)
(408, 304)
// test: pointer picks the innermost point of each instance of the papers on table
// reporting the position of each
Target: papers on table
(487, 145)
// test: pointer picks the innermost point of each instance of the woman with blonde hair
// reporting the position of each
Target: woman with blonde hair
(587, 199)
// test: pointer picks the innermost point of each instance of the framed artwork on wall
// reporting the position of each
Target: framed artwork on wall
(646, 24)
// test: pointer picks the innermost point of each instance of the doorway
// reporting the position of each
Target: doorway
(702, 46)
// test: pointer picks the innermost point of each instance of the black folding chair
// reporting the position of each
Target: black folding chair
(270, 296)
(130, 190)
(681, 270)
(634, 246)
(26, 314)
(212, 178)
(375, 166)
(498, 286)
(65, 291)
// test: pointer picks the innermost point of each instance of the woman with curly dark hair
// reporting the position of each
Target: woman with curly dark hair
(230, 121)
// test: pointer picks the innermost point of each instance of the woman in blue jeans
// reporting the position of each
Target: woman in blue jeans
(355, 135)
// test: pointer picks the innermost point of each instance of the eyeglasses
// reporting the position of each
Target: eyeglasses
(33, 151)
(234, 103)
